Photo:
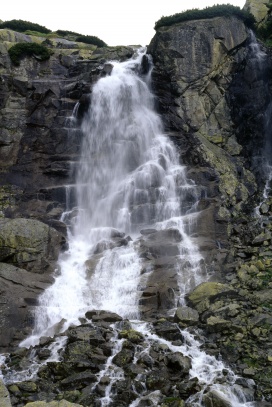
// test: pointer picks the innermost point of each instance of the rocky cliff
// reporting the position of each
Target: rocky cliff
(209, 91)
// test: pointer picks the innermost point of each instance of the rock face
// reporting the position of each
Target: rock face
(197, 60)
(29, 250)
(210, 96)
(258, 8)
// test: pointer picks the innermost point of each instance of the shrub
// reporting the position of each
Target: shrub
(224, 10)
(22, 26)
(22, 49)
(65, 33)
(90, 39)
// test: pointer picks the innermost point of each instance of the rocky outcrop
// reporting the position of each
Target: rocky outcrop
(197, 60)
(258, 8)
(4, 396)
(28, 254)
(38, 148)
(153, 371)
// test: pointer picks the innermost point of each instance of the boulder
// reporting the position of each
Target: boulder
(186, 316)
(215, 398)
(4, 396)
(29, 244)
(204, 293)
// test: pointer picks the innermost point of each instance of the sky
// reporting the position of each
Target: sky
(117, 22)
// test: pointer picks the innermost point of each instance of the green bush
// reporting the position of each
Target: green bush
(22, 49)
(90, 39)
(22, 26)
(65, 33)
(224, 10)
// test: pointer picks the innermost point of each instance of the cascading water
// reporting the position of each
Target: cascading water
(259, 62)
(129, 179)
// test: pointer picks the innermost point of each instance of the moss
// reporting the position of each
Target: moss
(131, 335)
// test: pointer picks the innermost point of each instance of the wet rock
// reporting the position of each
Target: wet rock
(186, 316)
(162, 243)
(106, 316)
(131, 335)
(177, 362)
(169, 331)
(124, 393)
(216, 399)
(81, 353)
(124, 357)
(86, 333)
(188, 387)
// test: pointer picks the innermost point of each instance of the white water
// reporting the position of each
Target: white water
(259, 61)
(211, 373)
(129, 178)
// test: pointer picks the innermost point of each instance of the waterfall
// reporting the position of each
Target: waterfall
(259, 63)
(129, 178)
(130, 184)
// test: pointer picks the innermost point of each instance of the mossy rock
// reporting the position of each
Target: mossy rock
(131, 335)
(4, 396)
(201, 296)
(28, 243)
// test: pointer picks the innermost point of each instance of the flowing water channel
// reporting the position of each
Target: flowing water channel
(130, 184)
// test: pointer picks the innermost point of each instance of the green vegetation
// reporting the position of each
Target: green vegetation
(22, 49)
(66, 33)
(87, 39)
(22, 26)
(35, 29)
(90, 39)
(36, 33)
(224, 10)
(264, 32)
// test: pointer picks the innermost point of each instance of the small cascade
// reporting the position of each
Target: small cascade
(136, 211)
(211, 373)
